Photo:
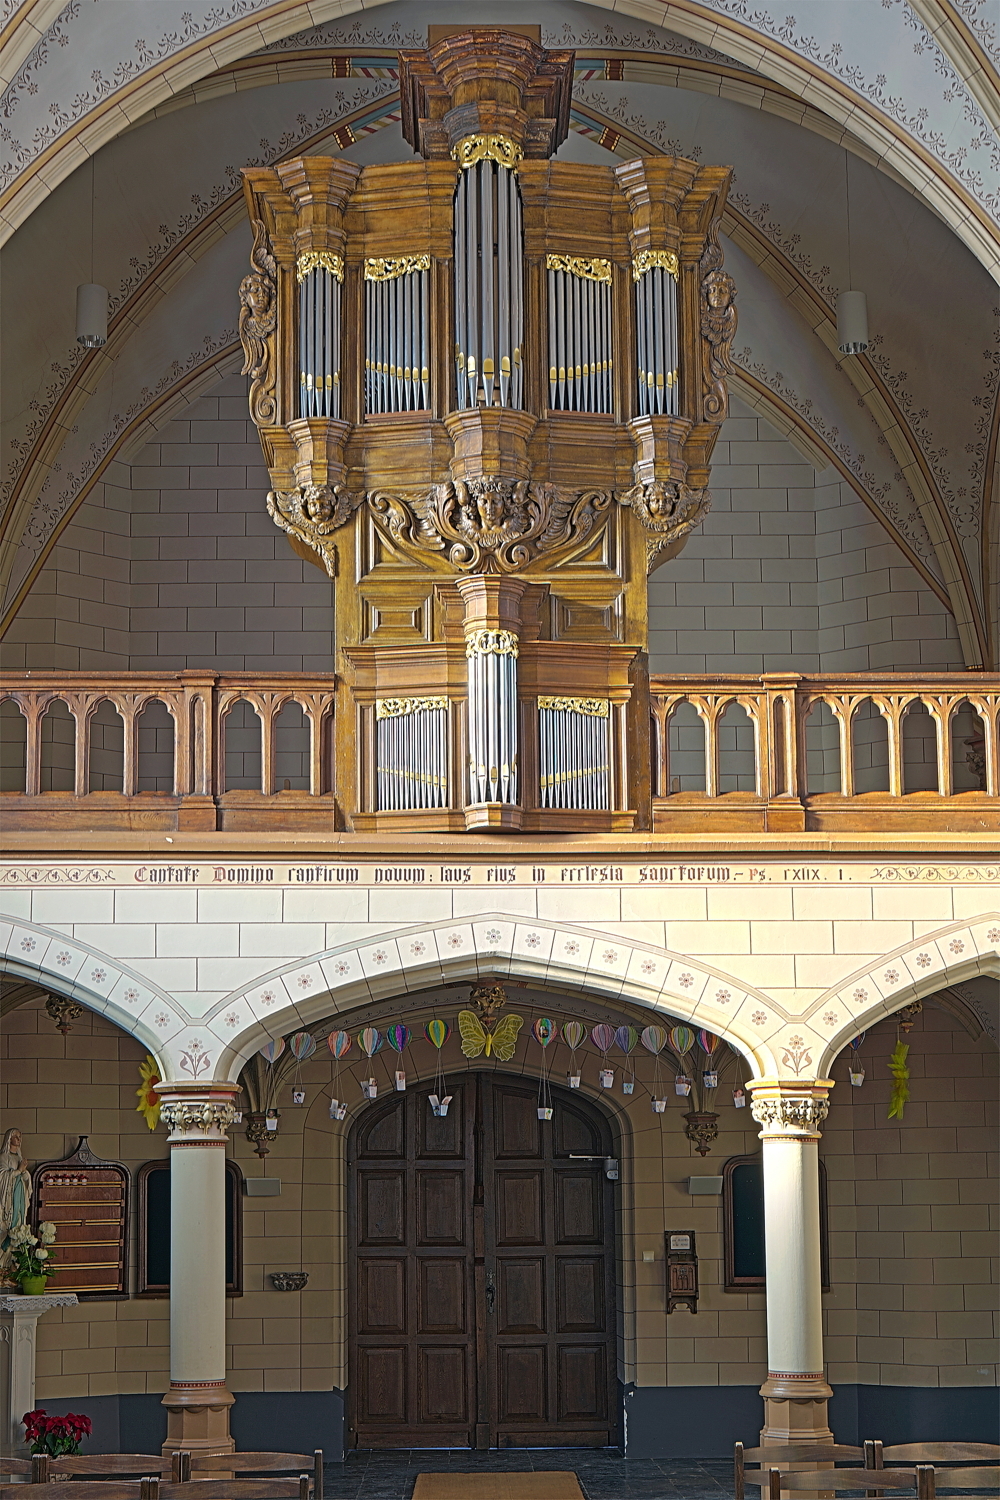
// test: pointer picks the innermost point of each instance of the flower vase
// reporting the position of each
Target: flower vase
(34, 1286)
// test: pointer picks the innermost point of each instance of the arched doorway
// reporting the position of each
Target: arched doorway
(482, 1271)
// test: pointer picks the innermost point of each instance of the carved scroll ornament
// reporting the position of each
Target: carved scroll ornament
(258, 319)
(490, 525)
(312, 513)
(668, 511)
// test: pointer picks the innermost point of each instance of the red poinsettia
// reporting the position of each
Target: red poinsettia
(55, 1435)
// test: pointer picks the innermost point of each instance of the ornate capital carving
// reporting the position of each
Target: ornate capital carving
(258, 320)
(667, 510)
(784, 1113)
(499, 148)
(198, 1119)
(491, 525)
(312, 513)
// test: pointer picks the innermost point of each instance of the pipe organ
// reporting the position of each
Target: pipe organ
(487, 385)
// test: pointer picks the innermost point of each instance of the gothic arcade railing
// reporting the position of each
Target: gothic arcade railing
(908, 750)
(189, 749)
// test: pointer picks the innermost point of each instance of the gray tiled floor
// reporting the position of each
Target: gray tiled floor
(389, 1474)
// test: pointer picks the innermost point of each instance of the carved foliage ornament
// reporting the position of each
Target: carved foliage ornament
(498, 148)
(587, 267)
(667, 510)
(196, 1116)
(388, 268)
(312, 513)
(491, 525)
(258, 319)
(325, 260)
(790, 1114)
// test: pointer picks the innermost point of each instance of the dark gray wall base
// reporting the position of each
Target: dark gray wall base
(705, 1421)
(279, 1421)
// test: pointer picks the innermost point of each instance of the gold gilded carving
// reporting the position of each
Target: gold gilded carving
(312, 513)
(309, 260)
(395, 708)
(492, 525)
(667, 510)
(589, 268)
(594, 708)
(646, 260)
(498, 148)
(387, 268)
(258, 319)
(491, 643)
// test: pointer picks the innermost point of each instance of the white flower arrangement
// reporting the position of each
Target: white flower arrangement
(31, 1255)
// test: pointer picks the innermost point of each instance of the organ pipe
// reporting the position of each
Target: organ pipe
(654, 273)
(574, 753)
(411, 745)
(493, 737)
(580, 360)
(320, 275)
(397, 333)
(489, 286)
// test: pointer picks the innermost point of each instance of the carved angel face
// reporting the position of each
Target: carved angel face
(256, 294)
(718, 290)
(490, 507)
(316, 502)
(661, 500)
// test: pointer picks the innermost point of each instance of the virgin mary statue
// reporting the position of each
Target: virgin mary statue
(15, 1196)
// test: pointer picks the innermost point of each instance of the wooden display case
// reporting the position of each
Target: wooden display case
(87, 1199)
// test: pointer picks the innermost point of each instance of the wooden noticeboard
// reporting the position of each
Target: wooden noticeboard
(88, 1201)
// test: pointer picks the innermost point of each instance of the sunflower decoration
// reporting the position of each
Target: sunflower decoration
(149, 1099)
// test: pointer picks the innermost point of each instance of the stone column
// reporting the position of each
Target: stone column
(19, 1317)
(198, 1401)
(795, 1391)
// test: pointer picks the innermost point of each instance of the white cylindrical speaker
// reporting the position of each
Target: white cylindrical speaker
(91, 315)
(852, 322)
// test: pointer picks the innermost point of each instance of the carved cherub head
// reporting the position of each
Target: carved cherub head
(490, 499)
(317, 502)
(255, 294)
(661, 500)
(719, 289)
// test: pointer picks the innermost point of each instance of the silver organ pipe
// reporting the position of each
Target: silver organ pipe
(397, 333)
(411, 744)
(320, 275)
(489, 286)
(574, 752)
(580, 356)
(655, 275)
(493, 710)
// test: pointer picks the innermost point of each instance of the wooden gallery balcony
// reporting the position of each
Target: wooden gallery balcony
(190, 750)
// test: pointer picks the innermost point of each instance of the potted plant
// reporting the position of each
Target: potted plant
(54, 1435)
(32, 1261)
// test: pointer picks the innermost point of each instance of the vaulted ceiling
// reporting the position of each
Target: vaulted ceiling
(148, 114)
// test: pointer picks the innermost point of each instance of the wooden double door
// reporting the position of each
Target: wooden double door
(481, 1271)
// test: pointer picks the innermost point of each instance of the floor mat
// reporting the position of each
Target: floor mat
(534, 1486)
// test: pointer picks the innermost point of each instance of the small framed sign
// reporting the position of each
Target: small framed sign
(682, 1270)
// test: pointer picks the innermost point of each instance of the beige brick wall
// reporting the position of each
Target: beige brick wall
(912, 1221)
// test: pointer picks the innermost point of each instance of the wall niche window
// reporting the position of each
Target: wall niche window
(743, 1224)
(153, 1184)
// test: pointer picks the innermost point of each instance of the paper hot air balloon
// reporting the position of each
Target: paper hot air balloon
(369, 1041)
(302, 1045)
(627, 1039)
(544, 1031)
(574, 1033)
(339, 1043)
(681, 1039)
(398, 1037)
(437, 1033)
(654, 1039)
(603, 1037)
(708, 1042)
(271, 1051)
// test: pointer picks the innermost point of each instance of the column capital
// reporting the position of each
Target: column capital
(790, 1108)
(198, 1114)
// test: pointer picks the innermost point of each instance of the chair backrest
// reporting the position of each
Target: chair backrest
(15, 1465)
(940, 1453)
(793, 1453)
(231, 1489)
(982, 1477)
(918, 1482)
(97, 1489)
(259, 1463)
(139, 1464)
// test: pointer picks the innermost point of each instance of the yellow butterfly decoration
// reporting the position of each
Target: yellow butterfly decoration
(500, 1042)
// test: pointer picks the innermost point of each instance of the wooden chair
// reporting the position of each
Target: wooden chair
(11, 1466)
(793, 1453)
(937, 1454)
(980, 1477)
(96, 1490)
(261, 1463)
(917, 1483)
